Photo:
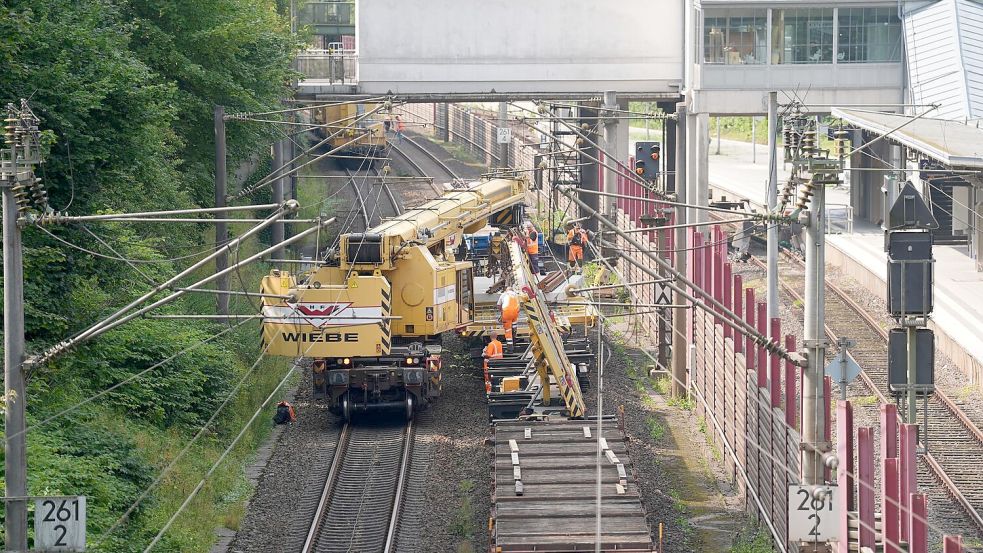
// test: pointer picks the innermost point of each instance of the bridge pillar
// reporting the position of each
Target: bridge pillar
(616, 145)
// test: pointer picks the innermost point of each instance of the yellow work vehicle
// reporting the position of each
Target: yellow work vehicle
(361, 136)
(371, 315)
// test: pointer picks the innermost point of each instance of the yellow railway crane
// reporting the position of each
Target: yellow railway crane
(371, 316)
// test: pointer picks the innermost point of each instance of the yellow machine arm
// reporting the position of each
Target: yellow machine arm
(547, 345)
(443, 220)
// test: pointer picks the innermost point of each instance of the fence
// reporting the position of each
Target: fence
(334, 66)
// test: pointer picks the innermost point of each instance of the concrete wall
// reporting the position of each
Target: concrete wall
(548, 46)
(741, 89)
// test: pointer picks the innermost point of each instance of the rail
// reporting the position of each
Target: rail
(443, 166)
(358, 195)
(350, 514)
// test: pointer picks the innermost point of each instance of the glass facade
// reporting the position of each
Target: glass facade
(739, 36)
(736, 36)
(868, 35)
(803, 35)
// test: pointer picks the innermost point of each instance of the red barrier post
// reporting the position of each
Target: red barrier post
(952, 544)
(908, 468)
(890, 515)
(762, 363)
(697, 265)
(775, 361)
(918, 522)
(844, 452)
(749, 352)
(728, 296)
(738, 302)
(865, 485)
(889, 430)
(827, 418)
(791, 406)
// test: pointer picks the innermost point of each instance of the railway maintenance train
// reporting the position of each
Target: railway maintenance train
(370, 317)
(361, 136)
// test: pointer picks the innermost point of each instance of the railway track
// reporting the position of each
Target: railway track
(955, 441)
(364, 200)
(362, 500)
(428, 154)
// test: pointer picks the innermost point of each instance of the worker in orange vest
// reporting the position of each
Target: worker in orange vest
(532, 248)
(493, 350)
(509, 304)
(577, 239)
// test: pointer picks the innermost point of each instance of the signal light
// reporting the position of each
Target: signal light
(648, 158)
(655, 152)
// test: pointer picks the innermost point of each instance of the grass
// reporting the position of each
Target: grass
(684, 403)
(752, 539)
(864, 401)
(657, 430)
(462, 153)
(462, 525)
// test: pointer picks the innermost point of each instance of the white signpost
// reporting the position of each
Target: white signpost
(663, 294)
(504, 135)
(59, 523)
(812, 518)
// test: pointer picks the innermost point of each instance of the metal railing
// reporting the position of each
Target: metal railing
(334, 66)
(839, 219)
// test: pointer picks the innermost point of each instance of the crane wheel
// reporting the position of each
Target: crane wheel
(346, 410)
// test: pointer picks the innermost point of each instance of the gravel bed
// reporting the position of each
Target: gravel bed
(275, 512)
(458, 483)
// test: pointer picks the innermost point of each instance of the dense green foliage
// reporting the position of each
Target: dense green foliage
(124, 90)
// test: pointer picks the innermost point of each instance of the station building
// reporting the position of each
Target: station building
(917, 59)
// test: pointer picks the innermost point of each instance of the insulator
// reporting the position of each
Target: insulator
(22, 198)
(805, 194)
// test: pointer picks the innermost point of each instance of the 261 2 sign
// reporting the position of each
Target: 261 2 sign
(59, 523)
(813, 517)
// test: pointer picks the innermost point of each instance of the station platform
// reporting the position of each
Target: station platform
(958, 316)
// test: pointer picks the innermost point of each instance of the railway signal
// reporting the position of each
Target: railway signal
(648, 156)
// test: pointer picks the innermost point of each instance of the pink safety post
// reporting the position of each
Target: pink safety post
(697, 260)
(918, 543)
(718, 270)
(908, 468)
(775, 361)
(708, 266)
(762, 364)
(865, 483)
(827, 418)
(890, 515)
(844, 452)
(739, 311)
(889, 430)
(728, 297)
(952, 544)
(791, 406)
(844, 474)
(749, 351)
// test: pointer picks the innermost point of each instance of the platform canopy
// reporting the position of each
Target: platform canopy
(955, 143)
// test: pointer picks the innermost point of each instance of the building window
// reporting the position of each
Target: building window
(869, 35)
(735, 36)
(802, 35)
